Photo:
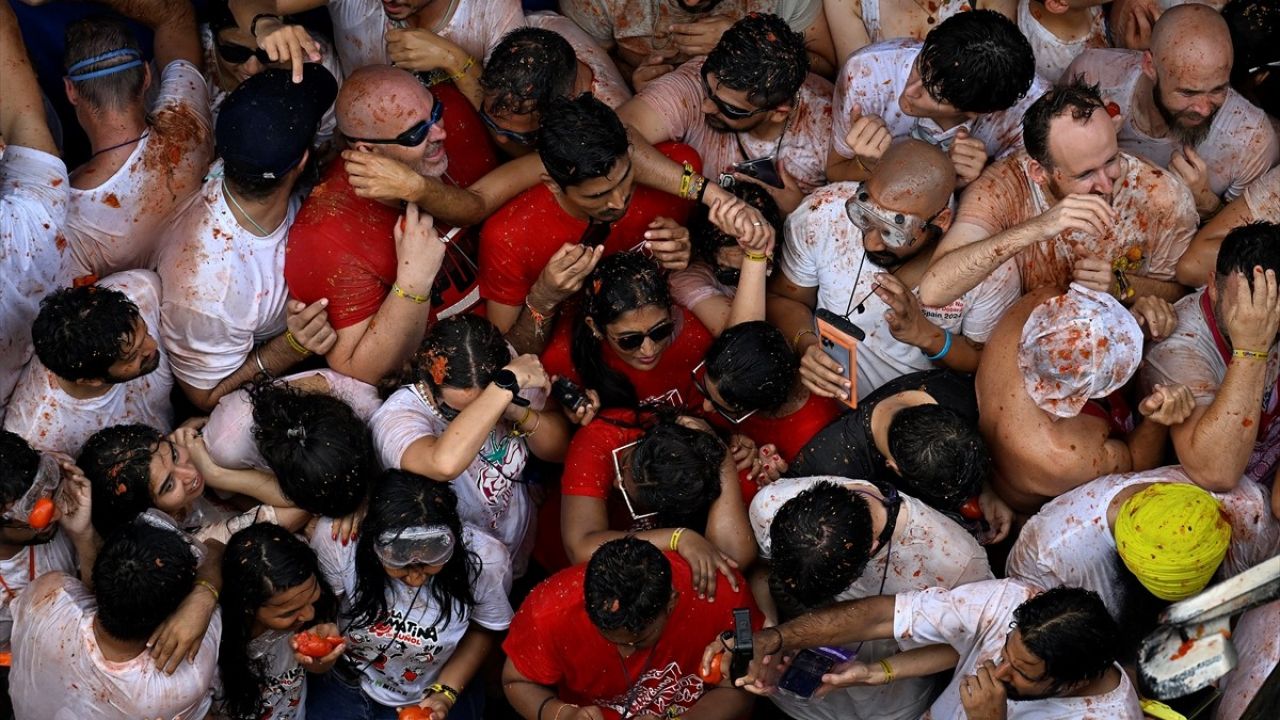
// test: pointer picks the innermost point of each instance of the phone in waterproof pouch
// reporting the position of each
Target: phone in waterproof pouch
(764, 169)
(839, 339)
(804, 675)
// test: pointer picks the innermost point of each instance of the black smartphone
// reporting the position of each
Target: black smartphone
(743, 647)
(568, 394)
(595, 234)
(764, 169)
(804, 675)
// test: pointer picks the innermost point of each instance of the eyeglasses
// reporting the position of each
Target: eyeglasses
(239, 54)
(898, 230)
(699, 380)
(733, 112)
(630, 342)
(414, 136)
(520, 138)
(618, 464)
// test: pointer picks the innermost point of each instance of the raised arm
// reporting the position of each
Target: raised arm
(174, 25)
(22, 119)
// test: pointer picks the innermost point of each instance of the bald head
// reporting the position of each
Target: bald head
(1190, 33)
(914, 177)
(380, 101)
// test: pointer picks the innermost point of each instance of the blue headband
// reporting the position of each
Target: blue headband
(135, 61)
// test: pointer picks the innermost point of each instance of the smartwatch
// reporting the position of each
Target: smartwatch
(506, 380)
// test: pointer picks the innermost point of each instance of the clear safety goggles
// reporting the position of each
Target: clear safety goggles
(429, 545)
(159, 519)
(898, 230)
(45, 487)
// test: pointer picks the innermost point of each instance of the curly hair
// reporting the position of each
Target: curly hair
(80, 332)
(527, 69)
(819, 543)
(762, 56)
(977, 61)
(627, 585)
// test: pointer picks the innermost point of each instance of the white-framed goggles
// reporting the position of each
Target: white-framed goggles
(897, 230)
(45, 486)
(429, 545)
(622, 463)
(161, 520)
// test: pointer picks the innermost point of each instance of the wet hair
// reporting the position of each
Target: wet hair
(527, 69)
(707, 239)
(19, 463)
(580, 139)
(117, 462)
(627, 585)
(1077, 97)
(261, 561)
(80, 332)
(977, 61)
(1070, 630)
(819, 543)
(762, 56)
(941, 456)
(97, 35)
(320, 451)
(1248, 246)
(752, 366)
(142, 574)
(621, 282)
(462, 352)
(676, 472)
(403, 500)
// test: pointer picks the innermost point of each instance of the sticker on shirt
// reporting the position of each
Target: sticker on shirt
(656, 692)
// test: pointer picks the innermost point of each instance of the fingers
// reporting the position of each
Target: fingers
(823, 375)
(723, 566)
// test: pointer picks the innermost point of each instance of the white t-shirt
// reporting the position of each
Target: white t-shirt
(974, 620)
(33, 205)
(606, 82)
(1053, 55)
(229, 432)
(1241, 144)
(223, 287)
(51, 420)
(928, 550)
(1258, 649)
(823, 249)
(400, 656)
(19, 571)
(59, 672)
(491, 494)
(874, 77)
(360, 28)
(284, 682)
(1069, 542)
(940, 11)
(1263, 196)
(676, 98)
(328, 58)
(115, 226)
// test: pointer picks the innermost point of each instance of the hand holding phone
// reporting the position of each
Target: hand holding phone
(839, 340)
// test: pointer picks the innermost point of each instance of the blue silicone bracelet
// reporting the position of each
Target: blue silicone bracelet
(946, 347)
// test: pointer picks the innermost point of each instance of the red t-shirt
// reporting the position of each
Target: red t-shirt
(341, 246)
(552, 642)
(517, 242)
(670, 379)
(789, 434)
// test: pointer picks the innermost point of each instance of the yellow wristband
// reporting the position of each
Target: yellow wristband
(465, 67)
(400, 292)
(888, 671)
(208, 586)
(686, 180)
(757, 257)
(297, 346)
(445, 690)
(1248, 354)
(675, 539)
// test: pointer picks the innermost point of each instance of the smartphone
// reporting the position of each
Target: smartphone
(595, 234)
(568, 394)
(764, 169)
(804, 675)
(743, 646)
(839, 339)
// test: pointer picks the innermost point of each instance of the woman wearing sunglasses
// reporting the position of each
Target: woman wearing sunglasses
(421, 598)
(665, 479)
(470, 415)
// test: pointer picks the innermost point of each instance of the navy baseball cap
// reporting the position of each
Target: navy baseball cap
(269, 122)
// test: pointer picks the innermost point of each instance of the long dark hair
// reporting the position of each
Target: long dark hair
(403, 500)
(620, 283)
(261, 561)
(461, 352)
(320, 451)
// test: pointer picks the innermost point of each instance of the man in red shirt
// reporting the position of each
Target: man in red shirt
(384, 285)
(537, 249)
(621, 637)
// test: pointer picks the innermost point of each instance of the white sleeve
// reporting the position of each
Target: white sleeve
(986, 304)
(203, 349)
(952, 617)
(397, 425)
(229, 432)
(182, 84)
(800, 248)
(337, 562)
(34, 192)
(492, 609)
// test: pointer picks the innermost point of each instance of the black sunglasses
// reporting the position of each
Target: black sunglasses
(631, 342)
(239, 54)
(520, 138)
(733, 112)
(414, 136)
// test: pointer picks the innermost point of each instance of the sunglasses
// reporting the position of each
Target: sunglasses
(520, 138)
(733, 112)
(414, 136)
(699, 381)
(630, 342)
(640, 519)
(239, 54)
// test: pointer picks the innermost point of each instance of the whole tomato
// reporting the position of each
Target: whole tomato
(715, 674)
(972, 509)
(41, 515)
(413, 712)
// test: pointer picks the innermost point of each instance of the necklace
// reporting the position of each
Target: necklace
(226, 191)
(746, 157)
(120, 145)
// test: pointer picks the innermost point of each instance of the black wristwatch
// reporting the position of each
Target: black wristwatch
(506, 380)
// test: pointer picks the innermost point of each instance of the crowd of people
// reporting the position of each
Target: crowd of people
(632, 359)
